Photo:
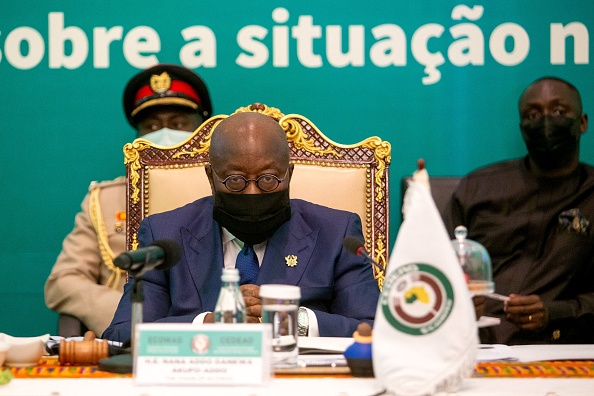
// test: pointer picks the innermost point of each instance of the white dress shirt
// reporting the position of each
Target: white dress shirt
(231, 248)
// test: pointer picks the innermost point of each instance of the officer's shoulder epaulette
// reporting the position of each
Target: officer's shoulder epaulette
(107, 183)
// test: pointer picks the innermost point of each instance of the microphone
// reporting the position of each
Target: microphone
(356, 246)
(162, 255)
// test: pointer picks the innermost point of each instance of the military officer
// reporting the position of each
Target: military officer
(164, 103)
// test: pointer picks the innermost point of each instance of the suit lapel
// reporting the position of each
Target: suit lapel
(204, 256)
(294, 238)
(203, 253)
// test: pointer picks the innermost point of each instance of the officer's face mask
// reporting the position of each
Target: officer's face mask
(167, 137)
(552, 142)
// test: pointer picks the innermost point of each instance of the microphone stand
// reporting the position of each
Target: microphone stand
(362, 252)
(124, 363)
(137, 301)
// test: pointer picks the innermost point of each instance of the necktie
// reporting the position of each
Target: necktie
(247, 264)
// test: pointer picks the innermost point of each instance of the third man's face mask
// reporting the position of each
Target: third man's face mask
(551, 141)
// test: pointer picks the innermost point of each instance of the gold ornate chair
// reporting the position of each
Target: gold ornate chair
(349, 177)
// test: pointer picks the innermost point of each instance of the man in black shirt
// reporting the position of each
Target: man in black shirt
(534, 215)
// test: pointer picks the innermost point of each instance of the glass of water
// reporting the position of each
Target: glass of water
(279, 308)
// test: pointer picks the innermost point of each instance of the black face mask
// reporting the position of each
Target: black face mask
(252, 218)
(552, 142)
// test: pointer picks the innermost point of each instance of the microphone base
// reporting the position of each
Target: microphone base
(119, 364)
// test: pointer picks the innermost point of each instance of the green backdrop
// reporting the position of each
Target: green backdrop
(438, 79)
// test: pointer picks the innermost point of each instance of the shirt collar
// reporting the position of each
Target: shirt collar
(227, 237)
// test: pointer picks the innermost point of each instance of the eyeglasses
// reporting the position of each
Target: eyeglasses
(237, 183)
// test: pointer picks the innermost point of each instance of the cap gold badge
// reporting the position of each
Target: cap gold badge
(160, 82)
(291, 260)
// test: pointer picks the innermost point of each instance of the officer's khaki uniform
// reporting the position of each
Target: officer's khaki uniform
(83, 282)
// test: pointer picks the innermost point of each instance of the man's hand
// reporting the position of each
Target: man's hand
(253, 304)
(526, 312)
(479, 305)
(253, 307)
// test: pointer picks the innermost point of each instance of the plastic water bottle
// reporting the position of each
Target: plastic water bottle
(230, 306)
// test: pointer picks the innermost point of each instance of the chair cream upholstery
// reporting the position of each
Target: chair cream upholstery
(348, 177)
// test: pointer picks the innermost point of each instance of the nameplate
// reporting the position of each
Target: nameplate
(207, 354)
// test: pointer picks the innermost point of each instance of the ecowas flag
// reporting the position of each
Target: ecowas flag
(425, 334)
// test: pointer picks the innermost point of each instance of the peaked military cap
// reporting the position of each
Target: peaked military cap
(166, 84)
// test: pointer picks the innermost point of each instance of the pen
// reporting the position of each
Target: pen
(496, 296)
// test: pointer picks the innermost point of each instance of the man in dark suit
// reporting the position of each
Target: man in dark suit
(250, 214)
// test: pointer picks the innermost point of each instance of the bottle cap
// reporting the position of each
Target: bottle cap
(230, 275)
(363, 333)
(280, 292)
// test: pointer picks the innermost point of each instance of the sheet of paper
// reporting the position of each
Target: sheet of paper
(493, 352)
(534, 353)
(335, 360)
(325, 345)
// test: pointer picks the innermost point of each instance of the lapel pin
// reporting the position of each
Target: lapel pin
(291, 260)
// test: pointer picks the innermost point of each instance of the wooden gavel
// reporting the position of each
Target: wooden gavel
(86, 352)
